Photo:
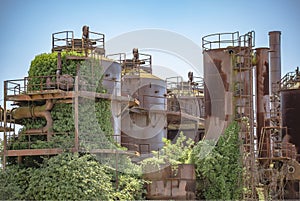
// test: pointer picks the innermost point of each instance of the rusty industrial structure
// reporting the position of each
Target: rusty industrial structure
(241, 83)
(145, 108)
(235, 73)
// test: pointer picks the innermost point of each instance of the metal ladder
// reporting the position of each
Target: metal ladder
(243, 104)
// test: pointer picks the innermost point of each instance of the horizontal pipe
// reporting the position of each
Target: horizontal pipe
(35, 111)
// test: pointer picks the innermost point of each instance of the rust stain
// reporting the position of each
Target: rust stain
(266, 78)
(218, 64)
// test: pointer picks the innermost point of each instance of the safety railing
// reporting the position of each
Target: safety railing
(118, 57)
(65, 40)
(62, 40)
(97, 40)
(290, 80)
(131, 66)
(39, 84)
(176, 86)
(15, 87)
(225, 40)
(104, 141)
(220, 40)
(23, 141)
(278, 150)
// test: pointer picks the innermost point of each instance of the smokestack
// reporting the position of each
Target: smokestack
(275, 58)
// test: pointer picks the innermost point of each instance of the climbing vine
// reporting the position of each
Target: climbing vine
(94, 115)
(70, 176)
(219, 172)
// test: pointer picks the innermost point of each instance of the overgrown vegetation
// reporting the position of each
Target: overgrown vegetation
(107, 176)
(46, 65)
(95, 126)
(218, 166)
(171, 154)
(219, 172)
(69, 177)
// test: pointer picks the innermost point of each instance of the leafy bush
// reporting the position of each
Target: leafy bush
(219, 172)
(46, 65)
(170, 154)
(69, 177)
(14, 182)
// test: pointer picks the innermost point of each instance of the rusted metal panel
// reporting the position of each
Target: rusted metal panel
(290, 109)
(262, 90)
(167, 184)
(218, 85)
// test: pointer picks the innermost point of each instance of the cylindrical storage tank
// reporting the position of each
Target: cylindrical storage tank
(111, 82)
(290, 109)
(227, 80)
(144, 125)
(217, 90)
(111, 77)
(262, 89)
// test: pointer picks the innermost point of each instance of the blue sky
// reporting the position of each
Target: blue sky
(27, 25)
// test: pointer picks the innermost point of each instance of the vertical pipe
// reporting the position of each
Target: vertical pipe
(262, 92)
(58, 71)
(275, 58)
(76, 140)
(4, 126)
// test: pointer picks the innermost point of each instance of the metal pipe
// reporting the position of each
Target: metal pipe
(58, 70)
(36, 111)
(275, 58)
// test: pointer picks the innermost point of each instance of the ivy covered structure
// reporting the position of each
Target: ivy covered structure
(103, 127)
(64, 107)
(78, 105)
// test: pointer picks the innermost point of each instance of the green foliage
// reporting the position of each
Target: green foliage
(63, 120)
(14, 182)
(69, 177)
(170, 154)
(46, 65)
(130, 187)
(95, 126)
(219, 171)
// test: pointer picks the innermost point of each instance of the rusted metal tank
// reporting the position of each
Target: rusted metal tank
(144, 125)
(290, 109)
(218, 96)
(262, 89)
(227, 80)
(218, 73)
